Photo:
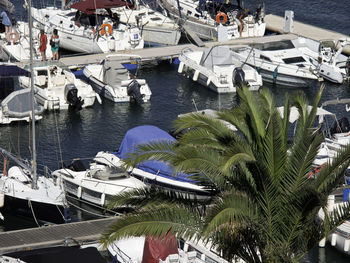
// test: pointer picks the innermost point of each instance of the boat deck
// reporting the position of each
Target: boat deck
(56, 235)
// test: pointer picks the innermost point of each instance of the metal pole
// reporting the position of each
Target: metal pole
(34, 173)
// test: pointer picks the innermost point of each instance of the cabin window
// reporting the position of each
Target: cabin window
(210, 260)
(42, 72)
(196, 15)
(189, 12)
(156, 18)
(265, 58)
(273, 46)
(293, 60)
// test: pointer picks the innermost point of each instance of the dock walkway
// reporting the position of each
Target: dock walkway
(48, 236)
(276, 23)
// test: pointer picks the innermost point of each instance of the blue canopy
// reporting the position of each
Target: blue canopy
(150, 134)
(7, 70)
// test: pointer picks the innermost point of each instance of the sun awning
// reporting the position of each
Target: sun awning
(294, 113)
(89, 6)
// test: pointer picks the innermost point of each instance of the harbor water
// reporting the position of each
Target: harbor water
(62, 136)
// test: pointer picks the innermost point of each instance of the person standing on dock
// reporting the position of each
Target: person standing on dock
(43, 44)
(55, 43)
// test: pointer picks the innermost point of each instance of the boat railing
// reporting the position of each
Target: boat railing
(124, 257)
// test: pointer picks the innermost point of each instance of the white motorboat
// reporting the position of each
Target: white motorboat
(290, 63)
(16, 103)
(18, 48)
(23, 191)
(333, 65)
(111, 80)
(100, 182)
(151, 172)
(57, 88)
(203, 18)
(89, 32)
(167, 249)
(219, 69)
(156, 28)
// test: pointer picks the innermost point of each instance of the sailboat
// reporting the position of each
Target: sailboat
(22, 190)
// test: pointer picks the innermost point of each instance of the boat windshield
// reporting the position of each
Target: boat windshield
(274, 46)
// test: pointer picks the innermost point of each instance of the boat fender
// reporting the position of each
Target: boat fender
(195, 75)
(221, 18)
(208, 81)
(2, 199)
(103, 199)
(181, 67)
(274, 75)
(104, 32)
(334, 239)
(79, 192)
(12, 37)
(346, 245)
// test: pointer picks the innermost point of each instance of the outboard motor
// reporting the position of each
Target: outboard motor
(344, 126)
(238, 77)
(71, 95)
(134, 91)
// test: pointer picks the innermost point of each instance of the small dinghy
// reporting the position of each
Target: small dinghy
(111, 80)
(219, 69)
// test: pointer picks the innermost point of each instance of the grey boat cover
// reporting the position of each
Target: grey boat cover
(7, 6)
(18, 104)
(114, 73)
(218, 55)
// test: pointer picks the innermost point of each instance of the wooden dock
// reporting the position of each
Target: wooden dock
(56, 235)
(276, 24)
(169, 52)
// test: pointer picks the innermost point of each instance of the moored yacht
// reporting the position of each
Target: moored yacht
(219, 69)
(156, 28)
(204, 16)
(84, 30)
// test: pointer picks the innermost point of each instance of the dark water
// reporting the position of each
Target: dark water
(102, 127)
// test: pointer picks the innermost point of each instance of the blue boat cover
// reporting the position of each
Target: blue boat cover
(7, 70)
(144, 135)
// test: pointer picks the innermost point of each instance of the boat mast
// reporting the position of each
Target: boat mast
(34, 172)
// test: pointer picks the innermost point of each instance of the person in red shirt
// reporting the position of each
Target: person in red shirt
(43, 44)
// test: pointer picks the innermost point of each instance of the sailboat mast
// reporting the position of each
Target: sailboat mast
(34, 174)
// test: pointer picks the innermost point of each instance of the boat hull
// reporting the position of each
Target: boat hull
(165, 36)
(37, 210)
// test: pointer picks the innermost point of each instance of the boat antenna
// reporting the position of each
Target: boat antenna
(194, 103)
(34, 172)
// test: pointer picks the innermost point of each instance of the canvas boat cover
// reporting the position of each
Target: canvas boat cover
(294, 113)
(18, 104)
(114, 73)
(149, 134)
(89, 6)
(218, 55)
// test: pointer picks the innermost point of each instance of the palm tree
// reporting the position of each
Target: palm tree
(264, 207)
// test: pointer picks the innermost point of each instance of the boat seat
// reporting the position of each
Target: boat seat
(58, 80)
(41, 80)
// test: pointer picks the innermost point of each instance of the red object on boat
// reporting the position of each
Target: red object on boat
(89, 6)
(156, 248)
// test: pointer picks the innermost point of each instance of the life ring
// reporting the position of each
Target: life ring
(103, 31)
(14, 37)
(221, 18)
